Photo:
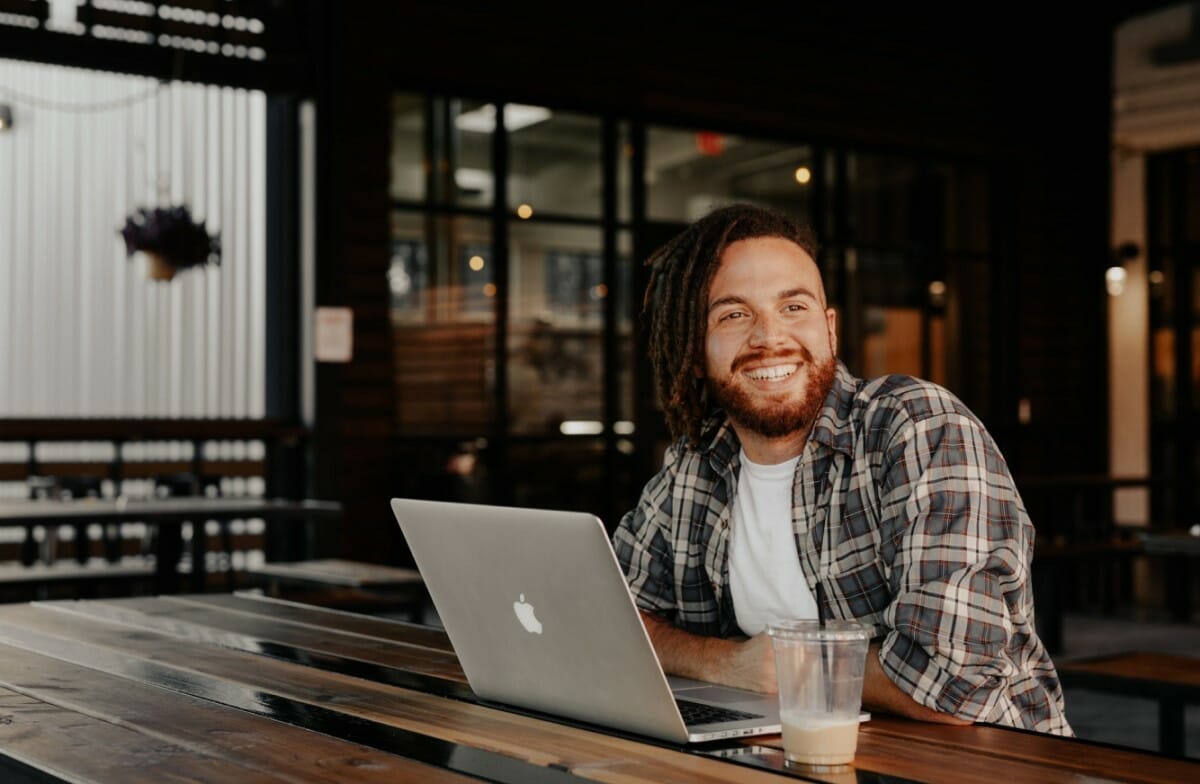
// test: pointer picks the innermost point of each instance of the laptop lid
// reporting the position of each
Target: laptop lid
(541, 618)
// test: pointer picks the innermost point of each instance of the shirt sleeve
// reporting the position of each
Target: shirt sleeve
(643, 547)
(960, 572)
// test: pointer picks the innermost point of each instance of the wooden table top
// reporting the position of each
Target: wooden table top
(1144, 671)
(244, 688)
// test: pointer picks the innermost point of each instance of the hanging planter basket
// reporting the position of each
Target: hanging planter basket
(158, 268)
(170, 239)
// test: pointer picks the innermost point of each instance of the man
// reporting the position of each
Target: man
(794, 489)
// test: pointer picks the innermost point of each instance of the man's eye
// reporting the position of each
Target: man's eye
(731, 315)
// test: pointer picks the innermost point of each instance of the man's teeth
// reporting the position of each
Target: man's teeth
(771, 373)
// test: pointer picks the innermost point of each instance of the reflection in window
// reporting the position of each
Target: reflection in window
(555, 161)
(575, 282)
(457, 169)
(408, 154)
(555, 340)
(443, 325)
(689, 172)
(475, 271)
(408, 276)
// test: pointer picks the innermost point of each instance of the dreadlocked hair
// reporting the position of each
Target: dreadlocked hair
(675, 308)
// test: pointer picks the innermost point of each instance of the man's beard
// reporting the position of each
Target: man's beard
(775, 420)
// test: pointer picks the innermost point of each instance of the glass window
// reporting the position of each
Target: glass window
(555, 350)
(457, 171)
(408, 147)
(443, 324)
(624, 173)
(917, 232)
(554, 161)
(464, 153)
(627, 308)
(689, 172)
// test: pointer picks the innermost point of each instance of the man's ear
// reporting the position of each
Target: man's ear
(831, 322)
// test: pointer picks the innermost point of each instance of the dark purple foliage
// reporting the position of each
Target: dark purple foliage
(170, 231)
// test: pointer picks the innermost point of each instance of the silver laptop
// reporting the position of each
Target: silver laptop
(541, 618)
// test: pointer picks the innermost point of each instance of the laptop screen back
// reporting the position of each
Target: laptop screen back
(539, 613)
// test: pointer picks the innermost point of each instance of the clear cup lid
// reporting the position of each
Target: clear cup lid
(817, 630)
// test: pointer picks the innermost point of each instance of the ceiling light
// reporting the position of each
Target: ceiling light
(516, 117)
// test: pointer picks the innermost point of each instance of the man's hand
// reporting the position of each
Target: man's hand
(745, 663)
(750, 664)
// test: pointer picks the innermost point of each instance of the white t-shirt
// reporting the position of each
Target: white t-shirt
(765, 576)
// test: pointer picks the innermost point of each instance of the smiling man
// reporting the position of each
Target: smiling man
(795, 490)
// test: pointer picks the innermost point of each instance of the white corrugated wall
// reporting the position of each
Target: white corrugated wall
(83, 331)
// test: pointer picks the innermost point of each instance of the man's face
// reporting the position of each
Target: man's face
(771, 340)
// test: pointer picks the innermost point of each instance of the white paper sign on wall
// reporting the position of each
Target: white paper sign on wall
(334, 335)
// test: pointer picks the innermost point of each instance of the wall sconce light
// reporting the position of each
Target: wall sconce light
(5, 117)
(1114, 276)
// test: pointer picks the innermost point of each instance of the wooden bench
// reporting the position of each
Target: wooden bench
(19, 582)
(344, 584)
(1172, 680)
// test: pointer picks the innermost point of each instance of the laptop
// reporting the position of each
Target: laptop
(542, 620)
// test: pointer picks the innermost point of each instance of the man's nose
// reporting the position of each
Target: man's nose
(767, 330)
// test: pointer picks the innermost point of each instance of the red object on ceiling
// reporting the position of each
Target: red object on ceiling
(710, 142)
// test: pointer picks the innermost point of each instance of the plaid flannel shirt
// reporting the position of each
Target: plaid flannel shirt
(904, 510)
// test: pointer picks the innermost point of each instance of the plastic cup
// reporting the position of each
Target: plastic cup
(820, 672)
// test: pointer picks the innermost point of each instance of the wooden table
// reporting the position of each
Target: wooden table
(1172, 681)
(168, 514)
(347, 585)
(243, 688)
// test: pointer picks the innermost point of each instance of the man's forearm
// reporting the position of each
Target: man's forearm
(747, 664)
(881, 694)
(750, 664)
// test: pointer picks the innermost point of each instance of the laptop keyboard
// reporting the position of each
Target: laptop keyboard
(699, 713)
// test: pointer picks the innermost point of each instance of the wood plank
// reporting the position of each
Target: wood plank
(123, 731)
(338, 571)
(35, 733)
(1172, 671)
(229, 676)
(1005, 746)
(219, 626)
(95, 569)
(323, 617)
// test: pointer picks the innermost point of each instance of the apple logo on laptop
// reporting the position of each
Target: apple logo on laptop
(524, 611)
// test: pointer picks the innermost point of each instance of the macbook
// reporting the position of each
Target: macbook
(541, 618)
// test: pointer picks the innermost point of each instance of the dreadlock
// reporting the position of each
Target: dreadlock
(675, 307)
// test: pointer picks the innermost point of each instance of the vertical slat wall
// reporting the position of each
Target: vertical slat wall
(83, 331)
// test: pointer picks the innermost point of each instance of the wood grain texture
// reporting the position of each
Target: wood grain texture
(1161, 668)
(219, 626)
(323, 618)
(176, 674)
(127, 732)
(250, 682)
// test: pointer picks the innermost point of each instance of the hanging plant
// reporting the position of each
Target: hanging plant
(171, 240)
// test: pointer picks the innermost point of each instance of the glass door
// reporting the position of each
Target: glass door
(1173, 188)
